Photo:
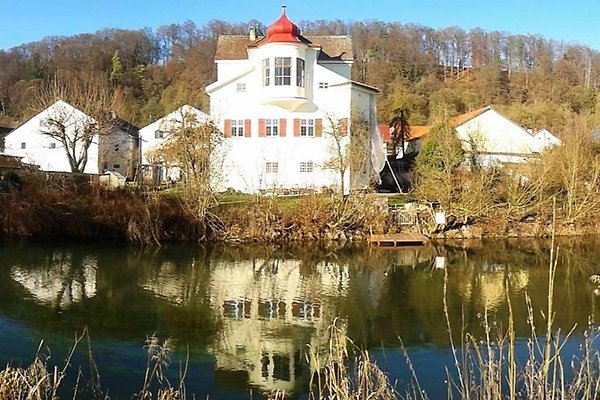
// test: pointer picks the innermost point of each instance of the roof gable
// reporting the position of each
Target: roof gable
(61, 108)
(175, 116)
(332, 48)
(466, 117)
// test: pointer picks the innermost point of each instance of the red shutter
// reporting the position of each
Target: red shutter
(318, 127)
(296, 127)
(262, 130)
(282, 127)
(227, 128)
(344, 126)
(247, 126)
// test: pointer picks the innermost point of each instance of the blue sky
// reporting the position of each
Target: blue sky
(30, 20)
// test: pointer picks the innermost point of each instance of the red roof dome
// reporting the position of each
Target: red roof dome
(283, 30)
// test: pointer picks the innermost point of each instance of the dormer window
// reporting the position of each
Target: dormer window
(283, 71)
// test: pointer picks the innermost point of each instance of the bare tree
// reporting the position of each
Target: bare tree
(194, 146)
(89, 113)
(349, 149)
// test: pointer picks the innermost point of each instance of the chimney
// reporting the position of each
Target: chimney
(252, 33)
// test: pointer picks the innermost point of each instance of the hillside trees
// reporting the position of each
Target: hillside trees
(429, 72)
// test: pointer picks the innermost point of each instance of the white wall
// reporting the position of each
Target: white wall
(494, 133)
(245, 158)
(39, 147)
(150, 144)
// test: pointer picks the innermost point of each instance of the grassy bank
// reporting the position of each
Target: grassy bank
(67, 208)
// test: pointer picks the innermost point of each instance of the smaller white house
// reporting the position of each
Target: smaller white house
(38, 142)
(544, 139)
(497, 139)
(154, 135)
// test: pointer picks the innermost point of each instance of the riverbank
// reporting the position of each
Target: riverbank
(80, 211)
(64, 209)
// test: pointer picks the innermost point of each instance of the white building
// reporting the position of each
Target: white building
(280, 101)
(154, 135)
(544, 139)
(107, 152)
(497, 139)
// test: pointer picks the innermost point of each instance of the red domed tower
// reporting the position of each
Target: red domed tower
(283, 30)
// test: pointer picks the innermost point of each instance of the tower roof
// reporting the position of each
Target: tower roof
(283, 30)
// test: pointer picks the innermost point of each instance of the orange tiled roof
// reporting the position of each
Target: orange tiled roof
(416, 132)
(384, 131)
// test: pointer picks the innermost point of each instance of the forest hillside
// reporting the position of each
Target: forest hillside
(432, 73)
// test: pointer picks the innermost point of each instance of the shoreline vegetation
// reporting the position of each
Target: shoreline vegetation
(478, 202)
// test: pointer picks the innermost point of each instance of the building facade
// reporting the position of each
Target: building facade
(37, 142)
(288, 109)
(153, 137)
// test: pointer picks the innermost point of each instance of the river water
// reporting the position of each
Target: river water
(245, 317)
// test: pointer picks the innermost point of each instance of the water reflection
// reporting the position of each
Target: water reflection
(271, 309)
(254, 312)
(62, 280)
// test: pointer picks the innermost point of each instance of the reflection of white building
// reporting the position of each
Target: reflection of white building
(490, 284)
(168, 283)
(60, 284)
(270, 313)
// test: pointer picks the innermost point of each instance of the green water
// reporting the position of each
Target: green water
(245, 316)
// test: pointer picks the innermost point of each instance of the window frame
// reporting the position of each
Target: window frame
(272, 127)
(237, 128)
(307, 127)
(307, 167)
(241, 87)
(158, 134)
(271, 167)
(266, 64)
(300, 72)
(283, 71)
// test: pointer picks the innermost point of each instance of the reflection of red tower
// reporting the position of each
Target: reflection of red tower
(283, 30)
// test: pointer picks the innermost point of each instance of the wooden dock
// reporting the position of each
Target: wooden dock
(398, 239)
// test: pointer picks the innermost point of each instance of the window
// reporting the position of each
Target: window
(23, 145)
(306, 166)
(266, 72)
(283, 71)
(52, 145)
(299, 72)
(323, 85)
(272, 127)
(241, 87)
(307, 127)
(271, 167)
(116, 166)
(159, 134)
(237, 127)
